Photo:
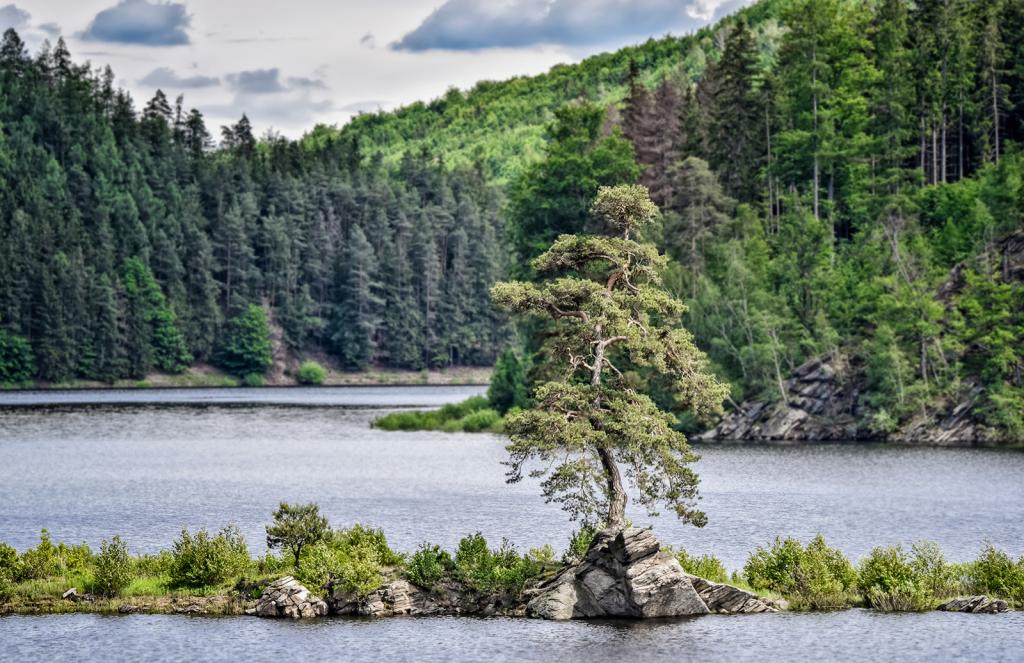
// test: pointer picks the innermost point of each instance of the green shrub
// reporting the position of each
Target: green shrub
(466, 407)
(6, 586)
(114, 568)
(428, 565)
(253, 380)
(203, 560)
(508, 384)
(708, 567)
(408, 421)
(16, 361)
(579, 543)
(311, 372)
(49, 560)
(996, 574)
(543, 556)
(480, 420)
(489, 571)
(245, 344)
(938, 577)
(816, 577)
(296, 526)
(890, 583)
(355, 559)
(160, 564)
(9, 562)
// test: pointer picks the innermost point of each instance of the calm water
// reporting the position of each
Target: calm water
(146, 470)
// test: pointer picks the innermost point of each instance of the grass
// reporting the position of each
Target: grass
(473, 415)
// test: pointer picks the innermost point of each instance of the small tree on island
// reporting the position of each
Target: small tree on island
(295, 527)
(609, 311)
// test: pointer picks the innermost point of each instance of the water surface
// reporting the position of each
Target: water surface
(144, 471)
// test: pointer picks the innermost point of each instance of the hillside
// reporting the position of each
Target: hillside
(500, 126)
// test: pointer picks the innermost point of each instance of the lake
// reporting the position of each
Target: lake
(143, 464)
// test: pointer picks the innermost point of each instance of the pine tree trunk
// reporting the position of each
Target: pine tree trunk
(616, 518)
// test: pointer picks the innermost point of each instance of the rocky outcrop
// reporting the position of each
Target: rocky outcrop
(400, 597)
(728, 600)
(978, 604)
(286, 597)
(821, 404)
(624, 574)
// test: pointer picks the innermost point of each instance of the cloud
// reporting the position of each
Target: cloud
(141, 22)
(165, 77)
(257, 81)
(308, 83)
(366, 106)
(478, 24)
(11, 16)
(368, 40)
(52, 29)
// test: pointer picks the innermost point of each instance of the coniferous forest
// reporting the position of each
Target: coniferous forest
(836, 178)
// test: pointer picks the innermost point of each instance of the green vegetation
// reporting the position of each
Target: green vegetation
(205, 561)
(488, 571)
(508, 384)
(473, 415)
(429, 565)
(311, 373)
(705, 566)
(245, 349)
(358, 560)
(609, 316)
(295, 527)
(16, 362)
(814, 577)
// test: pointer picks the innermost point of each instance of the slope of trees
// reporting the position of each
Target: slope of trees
(129, 243)
(816, 199)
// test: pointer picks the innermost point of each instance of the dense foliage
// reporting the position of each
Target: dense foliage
(129, 242)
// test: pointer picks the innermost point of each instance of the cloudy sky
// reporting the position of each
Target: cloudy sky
(289, 64)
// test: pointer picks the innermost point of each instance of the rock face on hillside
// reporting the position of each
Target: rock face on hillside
(286, 597)
(822, 396)
(820, 405)
(626, 574)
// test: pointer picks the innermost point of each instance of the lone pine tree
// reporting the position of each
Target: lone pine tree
(610, 312)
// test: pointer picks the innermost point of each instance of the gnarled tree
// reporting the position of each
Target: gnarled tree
(604, 294)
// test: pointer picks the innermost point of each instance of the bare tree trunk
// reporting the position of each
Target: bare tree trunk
(817, 165)
(616, 518)
(995, 113)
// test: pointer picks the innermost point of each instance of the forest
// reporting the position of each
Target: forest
(836, 178)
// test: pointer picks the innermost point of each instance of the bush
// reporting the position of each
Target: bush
(489, 571)
(245, 346)
(579, 543)
(708, 567)
(816, 577)
(408, 421)
(480, 420)
(996, 574)
(355, 559)
(508, 384)
(890, 583)
(16, 360)
(204, 561)
(938, 577)
(253, 380)
(311, 372)
(48, 560)
(9, 563)
(114, 568)
(428, 566)
(160, 564)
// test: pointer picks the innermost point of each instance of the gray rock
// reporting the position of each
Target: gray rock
(398, 597)
(286, 597)
(729, 600)
(624, 574)
(977, 604)
(70, 595)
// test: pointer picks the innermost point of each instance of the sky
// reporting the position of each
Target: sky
(290, 64)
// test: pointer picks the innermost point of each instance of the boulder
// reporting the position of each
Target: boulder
(624, 574)
(979, 604)
(728, 600)
(286, 597)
